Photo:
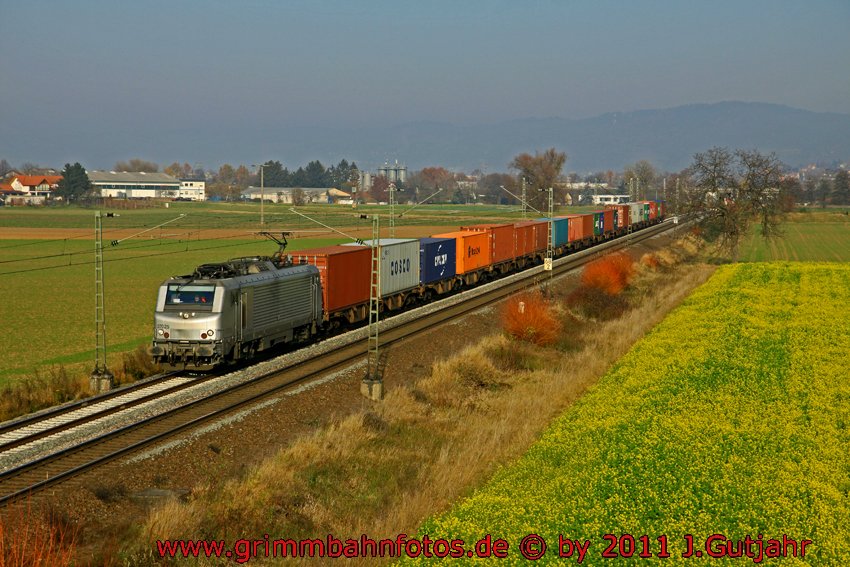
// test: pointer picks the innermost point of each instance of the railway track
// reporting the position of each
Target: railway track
(71, 462)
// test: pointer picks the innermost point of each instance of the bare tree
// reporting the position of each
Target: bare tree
(730, 191)
(5, 168)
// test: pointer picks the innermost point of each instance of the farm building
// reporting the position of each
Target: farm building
(134, 185)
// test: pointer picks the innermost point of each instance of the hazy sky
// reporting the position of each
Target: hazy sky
(101, 80)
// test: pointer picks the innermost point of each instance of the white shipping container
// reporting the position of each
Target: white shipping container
(399, 264)
(635, 213)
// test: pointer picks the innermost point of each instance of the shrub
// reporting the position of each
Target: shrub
(529, 317)
(610, 273)
(595, 303)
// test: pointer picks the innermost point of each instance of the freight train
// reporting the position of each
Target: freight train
(229, 311)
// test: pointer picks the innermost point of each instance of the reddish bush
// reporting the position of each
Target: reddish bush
(529, 317)
(610, 273)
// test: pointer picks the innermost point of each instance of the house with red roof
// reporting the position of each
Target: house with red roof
(36, 189)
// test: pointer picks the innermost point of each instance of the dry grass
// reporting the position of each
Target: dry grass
(384, 470)
(35, 538)
(41, 391)
(60, 384)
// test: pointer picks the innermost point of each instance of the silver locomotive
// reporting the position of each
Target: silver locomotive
(228, 311)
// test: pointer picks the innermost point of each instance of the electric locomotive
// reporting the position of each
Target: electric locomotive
(229, 311)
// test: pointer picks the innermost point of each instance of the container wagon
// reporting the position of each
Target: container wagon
(472, 255)
(345, 273)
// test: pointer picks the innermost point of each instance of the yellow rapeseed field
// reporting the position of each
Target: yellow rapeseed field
(724, 431)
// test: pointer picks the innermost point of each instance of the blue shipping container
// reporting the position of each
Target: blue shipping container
(560, 231)
(437, 258)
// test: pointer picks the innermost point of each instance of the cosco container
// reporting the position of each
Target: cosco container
(531, 237)
(560, 231)
(345, 273)
(399, 263)
(501, 240)
(472, 250)
(437, 259)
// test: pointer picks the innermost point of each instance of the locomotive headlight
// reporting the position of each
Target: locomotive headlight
(210, 332)
(160, 332)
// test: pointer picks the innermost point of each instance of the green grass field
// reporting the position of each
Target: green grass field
(729, 418)
(808, 237)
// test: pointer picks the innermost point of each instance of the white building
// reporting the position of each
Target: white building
(284, 194)
(35, 189)
(135, 185)
(609, 199)
(193, 189)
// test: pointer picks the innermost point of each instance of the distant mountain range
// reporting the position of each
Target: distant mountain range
(668, 138)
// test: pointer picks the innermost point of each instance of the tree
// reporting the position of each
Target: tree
(645, 178)
(380, 189)
(490, 188)
(299, 198)
(316, 175)
(5, 168)
(75, 184)
(841, 188)
(541, 171)
(822, 191)
(137, 165)
(731, 191)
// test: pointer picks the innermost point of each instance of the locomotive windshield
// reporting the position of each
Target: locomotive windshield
(190, 295)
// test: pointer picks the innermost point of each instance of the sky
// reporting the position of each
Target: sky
(98, 81)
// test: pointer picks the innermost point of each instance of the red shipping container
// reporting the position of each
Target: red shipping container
(473, 249)
(345, 272)
(622, 215)
(531, 236)
(502, 241)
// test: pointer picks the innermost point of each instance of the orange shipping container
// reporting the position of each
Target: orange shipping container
(473, 249)
(502, 240)
(531, 236)
(584, 226)
(345, 272)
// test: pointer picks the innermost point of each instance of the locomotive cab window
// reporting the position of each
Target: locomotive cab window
(190, 295)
